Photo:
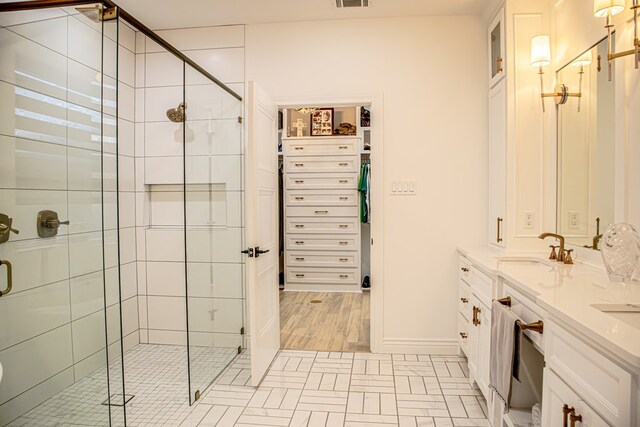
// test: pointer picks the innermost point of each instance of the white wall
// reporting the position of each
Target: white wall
(431, 72)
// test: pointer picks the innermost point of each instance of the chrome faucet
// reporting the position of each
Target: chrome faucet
(561, 256)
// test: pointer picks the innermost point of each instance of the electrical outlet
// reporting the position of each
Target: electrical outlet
(574, 220)
(403, 188)
(529, 219)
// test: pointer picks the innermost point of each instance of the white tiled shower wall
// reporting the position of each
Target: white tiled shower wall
(50, 159)
(214, 191)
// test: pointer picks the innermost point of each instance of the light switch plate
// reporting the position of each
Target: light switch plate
(404, 188)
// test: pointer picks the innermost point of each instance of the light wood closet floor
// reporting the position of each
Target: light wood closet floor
(339, 323)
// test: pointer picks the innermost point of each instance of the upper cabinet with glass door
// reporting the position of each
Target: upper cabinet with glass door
(497, 59)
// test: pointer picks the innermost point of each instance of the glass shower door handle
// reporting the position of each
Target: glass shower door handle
(9, 276)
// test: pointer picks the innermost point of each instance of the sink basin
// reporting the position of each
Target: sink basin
(627, 313)
(527, 260)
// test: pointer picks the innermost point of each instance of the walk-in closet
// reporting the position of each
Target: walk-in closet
(325, 185)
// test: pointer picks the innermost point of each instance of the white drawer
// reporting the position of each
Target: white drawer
(601, 383)
(481, 286)
(321, 147)
(322, 242)
(464, 295)
(322, 259)
(326, 276)
(317, 212)
(321, 198)
(464, 271)
(321, 181)
(322, 164)
(322, 225)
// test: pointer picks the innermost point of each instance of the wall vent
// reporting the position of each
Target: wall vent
(352, 3)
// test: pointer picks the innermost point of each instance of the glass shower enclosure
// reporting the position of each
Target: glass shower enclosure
(121, 221)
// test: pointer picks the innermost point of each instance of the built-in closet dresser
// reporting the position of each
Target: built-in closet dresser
(322, 226)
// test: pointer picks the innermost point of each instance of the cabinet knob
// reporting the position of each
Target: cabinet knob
(465, 269)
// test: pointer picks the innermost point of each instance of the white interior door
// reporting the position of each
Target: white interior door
(262, 231)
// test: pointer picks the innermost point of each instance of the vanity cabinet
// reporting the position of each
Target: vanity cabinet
(497, 163)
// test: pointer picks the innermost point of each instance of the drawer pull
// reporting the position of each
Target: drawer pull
(343, 243)
(464, 300)
(344, 259)
(535, 326)
(566, 410)
(465, 269)
(343, 226)
(299, 225)
(299, 259)
(344, 276)
(322, 212)
(299, 148)
(299, 164)
(343, 147)
(343, 164)
(299, 181)
(343, 198)
(475, 320)
(299, 242)
(299, 198)
(343, 181)
(299, 275)
(463, 335)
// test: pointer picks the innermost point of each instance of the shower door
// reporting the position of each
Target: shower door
(213, 194)
(60, 340)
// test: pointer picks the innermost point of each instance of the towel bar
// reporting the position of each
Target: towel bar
(505, 301)
(535, 326)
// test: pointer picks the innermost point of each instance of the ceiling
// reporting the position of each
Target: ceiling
(164, 14)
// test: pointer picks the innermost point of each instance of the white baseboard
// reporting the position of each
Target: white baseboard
(419, 346)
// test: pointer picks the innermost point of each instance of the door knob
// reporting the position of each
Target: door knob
(259, 251)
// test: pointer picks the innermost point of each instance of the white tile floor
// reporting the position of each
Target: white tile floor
(344, 389)
(155, 374)
(301, 389)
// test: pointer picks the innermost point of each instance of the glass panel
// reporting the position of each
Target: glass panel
(213, 156)
(64, 302)
(496, 45)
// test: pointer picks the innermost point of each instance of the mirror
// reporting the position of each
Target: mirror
(586, 150)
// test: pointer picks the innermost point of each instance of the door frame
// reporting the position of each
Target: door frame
(376, 101)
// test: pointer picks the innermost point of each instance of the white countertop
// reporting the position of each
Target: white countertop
(567, 292)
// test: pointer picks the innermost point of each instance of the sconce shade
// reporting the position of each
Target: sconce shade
(583, 60)
(602, 8)
(540, 51)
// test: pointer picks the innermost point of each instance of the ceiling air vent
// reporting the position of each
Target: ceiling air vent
(352, 3)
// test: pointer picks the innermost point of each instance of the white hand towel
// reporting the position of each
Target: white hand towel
(503, 350)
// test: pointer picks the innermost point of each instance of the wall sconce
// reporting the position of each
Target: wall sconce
(609, 8)
(581, 62)
(540, 57)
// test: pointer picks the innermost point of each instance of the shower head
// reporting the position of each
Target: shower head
(93, 13)
(176, 115)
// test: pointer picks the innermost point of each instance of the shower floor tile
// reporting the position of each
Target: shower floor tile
(157, 377)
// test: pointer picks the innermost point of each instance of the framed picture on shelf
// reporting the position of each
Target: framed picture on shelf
(322, 122)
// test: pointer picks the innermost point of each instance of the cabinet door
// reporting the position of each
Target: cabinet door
(484, 348)
(473, 340)
(497, 163)
(496, 49)
(555, 395)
